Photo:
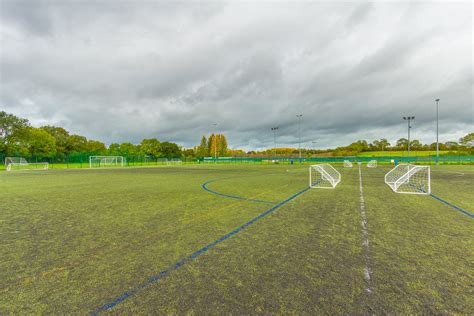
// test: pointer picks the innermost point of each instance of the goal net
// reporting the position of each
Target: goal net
(372, 164)
(174, 161)
(106, 161)
(20, 163)
(347, 164)
(323, 176)
(411, 179)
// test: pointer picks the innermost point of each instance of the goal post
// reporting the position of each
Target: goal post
(348, 164)
(323, 176)
(372, 164)
(409, 179)
(20, 163)
(106, 161)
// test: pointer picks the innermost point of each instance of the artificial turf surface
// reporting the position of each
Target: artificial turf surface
(75, 240)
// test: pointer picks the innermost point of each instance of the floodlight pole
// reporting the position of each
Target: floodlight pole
(274, 129)
(299, 116)
(215, 142)
(408, 119)
(437, 133)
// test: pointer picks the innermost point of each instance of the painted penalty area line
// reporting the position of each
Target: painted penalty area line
(457, 208)
(157, 277)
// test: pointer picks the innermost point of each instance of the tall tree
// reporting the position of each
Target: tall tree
(467, 140)
(189, 152)
(95, 147)
(202, 149)
(13, 133)
(128, 149)
(381, 144)
(211, 145)
(415, 144)
(150, 147)
(41, 143)
(402, 144)
(221, 145)
(358, 146)
(170, 150)
(451, 145)
(76, 143)
(61, 136)
(114, 149)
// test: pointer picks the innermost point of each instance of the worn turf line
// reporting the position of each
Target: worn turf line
(157, 277)
(365, 240)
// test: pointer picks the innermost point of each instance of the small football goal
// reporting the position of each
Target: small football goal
(174, 161)
(323, 176)
(348, 164)
(410, 179)
(106, 161)
(372, 164)
(20, 163)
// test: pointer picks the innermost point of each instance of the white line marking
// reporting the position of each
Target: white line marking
(365, 240)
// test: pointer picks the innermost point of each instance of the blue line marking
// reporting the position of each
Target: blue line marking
(204, 186)
(177, 265)
(457, 208)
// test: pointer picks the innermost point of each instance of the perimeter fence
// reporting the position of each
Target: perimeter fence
(81, 160)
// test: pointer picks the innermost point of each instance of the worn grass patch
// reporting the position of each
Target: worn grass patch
(74, 240)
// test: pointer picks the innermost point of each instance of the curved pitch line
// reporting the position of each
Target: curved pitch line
(204, 186)
(157, 277)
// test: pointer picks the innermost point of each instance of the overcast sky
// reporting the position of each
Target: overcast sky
(121, 71)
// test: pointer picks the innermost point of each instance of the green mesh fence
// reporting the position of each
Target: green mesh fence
(382, 159)
(81, 160)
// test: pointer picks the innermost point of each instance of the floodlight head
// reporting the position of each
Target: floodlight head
(404, 117)
(412, 117)
(437, 100)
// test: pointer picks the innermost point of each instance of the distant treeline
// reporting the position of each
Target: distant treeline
(464, 146)
(19, 138)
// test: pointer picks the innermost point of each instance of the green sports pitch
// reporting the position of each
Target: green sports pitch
(247, 239)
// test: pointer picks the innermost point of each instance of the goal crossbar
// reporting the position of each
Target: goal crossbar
(323, 176)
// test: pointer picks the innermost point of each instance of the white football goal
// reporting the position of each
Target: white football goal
(20, 163)
(106, 161)
(174, 161)
(348, 164)
(410, 179)
(372, 164)
(323, 176)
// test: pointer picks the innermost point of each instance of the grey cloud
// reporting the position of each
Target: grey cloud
(128, 70)
(31, 16)
(359, 14)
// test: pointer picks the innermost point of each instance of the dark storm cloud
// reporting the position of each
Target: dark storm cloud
(122, 71)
